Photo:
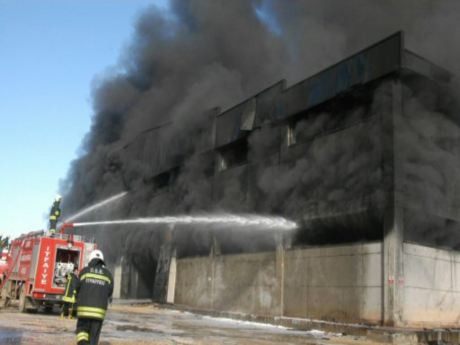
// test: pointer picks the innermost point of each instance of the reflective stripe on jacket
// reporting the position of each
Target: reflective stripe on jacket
(95, 287)
(91, 312)
(70, 288)
(55, 211)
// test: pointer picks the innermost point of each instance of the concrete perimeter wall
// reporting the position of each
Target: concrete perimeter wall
(341, 283)
(245, 283)
(431, 286)
(337, 283)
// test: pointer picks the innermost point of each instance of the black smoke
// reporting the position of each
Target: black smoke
(152, 125)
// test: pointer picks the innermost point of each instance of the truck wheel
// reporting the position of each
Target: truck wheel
(22, 300)
(4, 301)
(25, 303)
(6, 297)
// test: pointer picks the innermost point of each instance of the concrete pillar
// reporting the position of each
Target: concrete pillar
(117, 278)
(393, 223)
(133, 282)
(393, 272)
(129, 280)
(126, 283)
(215, 247)
(279, 260)
(215, 251)
(172, 279)
(162, 274)
(169, 234)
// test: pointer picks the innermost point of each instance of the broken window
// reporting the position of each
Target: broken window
(232, 155)
(248, 115)
(221, 162)
(290, 135)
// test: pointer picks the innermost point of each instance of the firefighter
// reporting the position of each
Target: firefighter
(55, 212)
(94, 290)
(69, 295)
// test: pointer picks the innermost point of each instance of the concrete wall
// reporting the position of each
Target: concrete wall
(243, 283)
(193, 283)
(337, 283)
(340, 283)
(334, 283)
(431, 286)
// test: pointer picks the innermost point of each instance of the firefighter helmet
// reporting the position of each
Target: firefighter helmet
(58, 197)
(96, 254)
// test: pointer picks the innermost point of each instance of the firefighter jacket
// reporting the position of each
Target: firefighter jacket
(70, 288)
(95, 287)
(55, 211)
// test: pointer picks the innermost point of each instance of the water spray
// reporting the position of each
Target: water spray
(251, 221)
(95, 206)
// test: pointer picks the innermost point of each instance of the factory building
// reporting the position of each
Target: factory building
(364, 155)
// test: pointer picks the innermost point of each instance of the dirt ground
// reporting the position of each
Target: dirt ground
(146, 324)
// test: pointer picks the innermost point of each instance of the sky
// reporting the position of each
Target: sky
(50, 54)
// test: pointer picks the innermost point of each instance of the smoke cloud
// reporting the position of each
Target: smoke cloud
(151, 129)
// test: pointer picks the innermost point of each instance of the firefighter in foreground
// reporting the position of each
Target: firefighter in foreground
(94, 290)
(69, 294)
(55, 213)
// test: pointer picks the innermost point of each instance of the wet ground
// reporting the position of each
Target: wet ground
(145, 324)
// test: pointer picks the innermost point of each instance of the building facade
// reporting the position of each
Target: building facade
(363, 155)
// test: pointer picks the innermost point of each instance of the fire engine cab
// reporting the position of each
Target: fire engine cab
(37, 266)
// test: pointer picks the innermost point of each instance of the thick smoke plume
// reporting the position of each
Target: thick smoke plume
(185, 63)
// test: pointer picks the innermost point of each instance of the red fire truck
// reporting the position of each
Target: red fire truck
(3, 264)
(37, 266)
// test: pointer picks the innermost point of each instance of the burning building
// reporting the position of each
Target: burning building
(364, 151)
(364, 155)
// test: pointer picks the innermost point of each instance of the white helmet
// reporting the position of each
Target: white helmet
(58, 197)
(96, 254)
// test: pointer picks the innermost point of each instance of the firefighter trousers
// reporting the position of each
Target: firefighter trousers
(53, 223)
(69, 309)
(88, 331)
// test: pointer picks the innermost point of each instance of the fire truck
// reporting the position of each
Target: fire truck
(3, 264)
(37, 266)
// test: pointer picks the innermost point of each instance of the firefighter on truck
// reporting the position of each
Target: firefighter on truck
(55, 213)
(94, 290)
